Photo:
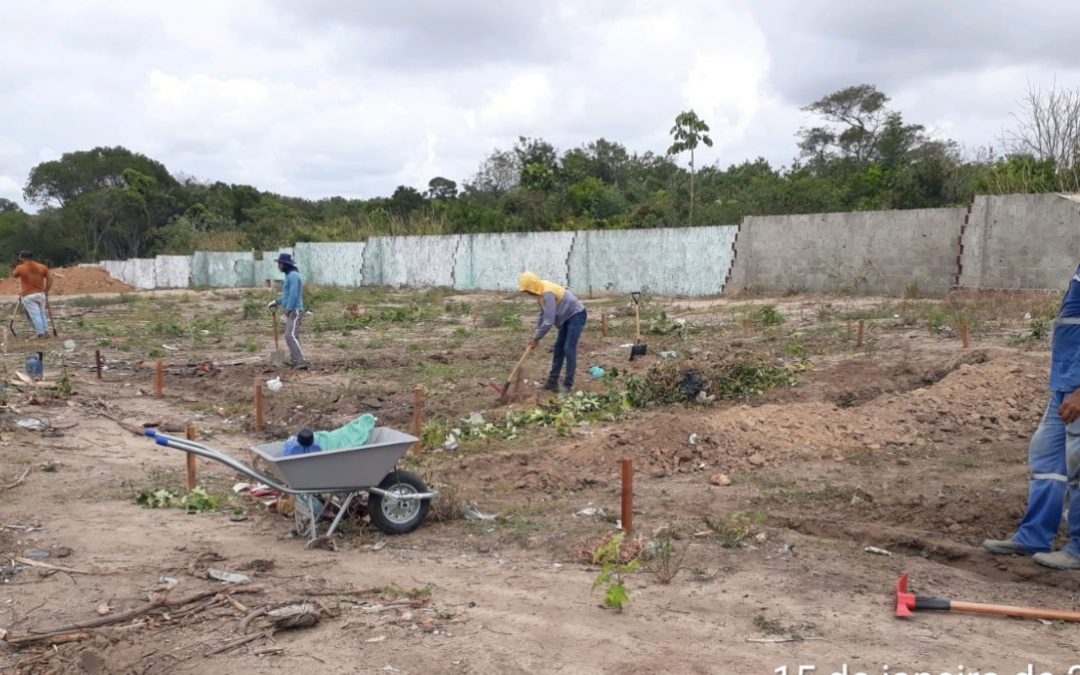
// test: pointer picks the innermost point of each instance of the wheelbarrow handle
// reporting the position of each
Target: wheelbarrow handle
(201, 450)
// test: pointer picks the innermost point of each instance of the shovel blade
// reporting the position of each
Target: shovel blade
(277, 357)
(638, 350)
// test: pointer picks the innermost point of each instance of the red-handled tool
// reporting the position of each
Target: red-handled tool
(907, 602)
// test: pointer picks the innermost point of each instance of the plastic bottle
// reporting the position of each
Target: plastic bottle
(35, 366)
(301, 444)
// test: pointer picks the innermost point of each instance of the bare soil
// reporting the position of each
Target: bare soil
(74, 281)
(908, 443)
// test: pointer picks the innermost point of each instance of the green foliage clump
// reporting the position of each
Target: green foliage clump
(613, 574)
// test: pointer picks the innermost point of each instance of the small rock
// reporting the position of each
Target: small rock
(757, 459)
(1010, 402)
(874, 446)
(720, 479)
(903, 461)
(955, 527)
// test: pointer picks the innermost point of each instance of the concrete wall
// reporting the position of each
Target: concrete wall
(692, 261)
(411, 261)
(172, 271)
(495, 261)
(135, 272)
(266, 270)
(1021, 242)
(223, 270)
(331, 264)
(882, 252)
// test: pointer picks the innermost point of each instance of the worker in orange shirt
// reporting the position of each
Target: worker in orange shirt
(34, 285)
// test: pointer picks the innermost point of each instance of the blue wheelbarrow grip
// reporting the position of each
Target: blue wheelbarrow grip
(150, 432)
(162, 441)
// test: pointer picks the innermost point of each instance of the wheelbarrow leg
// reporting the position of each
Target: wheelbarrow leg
(340, 514)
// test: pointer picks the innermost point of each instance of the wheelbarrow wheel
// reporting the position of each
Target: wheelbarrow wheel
(397, 516)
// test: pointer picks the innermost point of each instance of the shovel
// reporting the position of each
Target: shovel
(639, 348)
(14, 313)
(277, 357)
(504, 392)
(48, 310)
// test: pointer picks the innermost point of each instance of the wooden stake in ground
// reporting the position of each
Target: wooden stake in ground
(858, 342)
(628, 496)
(603, 324)
(258, 406)
(965, 337)
(97, 362)
(191, 480)
(417, 417)
(159, 379)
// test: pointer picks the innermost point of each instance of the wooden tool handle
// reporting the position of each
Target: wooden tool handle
(1008, 610)
(637, 322)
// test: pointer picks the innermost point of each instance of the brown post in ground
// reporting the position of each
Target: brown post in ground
(97, 362)
(417, 417)
(849, 331)
(258, 406)
(628, 496)
(858, 342)
(603, 324)
(159, 379)
(965, 337)
(190, 434)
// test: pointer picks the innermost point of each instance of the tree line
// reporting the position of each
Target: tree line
(112, 203)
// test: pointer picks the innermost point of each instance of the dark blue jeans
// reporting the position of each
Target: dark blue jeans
(566, 349)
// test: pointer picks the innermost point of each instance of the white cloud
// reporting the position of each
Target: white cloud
(354, 97)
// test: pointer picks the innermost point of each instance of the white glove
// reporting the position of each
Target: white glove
(271, 305)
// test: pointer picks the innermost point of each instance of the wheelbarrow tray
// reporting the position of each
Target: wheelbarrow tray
(338, 470)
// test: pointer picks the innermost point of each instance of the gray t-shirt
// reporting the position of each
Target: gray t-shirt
(556, 313)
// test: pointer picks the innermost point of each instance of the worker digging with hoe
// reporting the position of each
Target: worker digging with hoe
(560, 308)
(35, 282)
(292, 301)
(1054, 452)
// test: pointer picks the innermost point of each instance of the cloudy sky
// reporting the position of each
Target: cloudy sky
(354, 97)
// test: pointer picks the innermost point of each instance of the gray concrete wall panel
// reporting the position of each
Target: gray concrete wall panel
(493, 262)
(878, 252)
(1019, 242)
(419, 262)
(331, 264)
(691, 261)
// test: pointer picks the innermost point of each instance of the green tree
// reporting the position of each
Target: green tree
(8, 206)
(689, 132)
(441, 189)
(76, 174)
(405, 200)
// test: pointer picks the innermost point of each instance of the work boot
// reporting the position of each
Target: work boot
(1059, 560)
(552, 386)
(1005, 547)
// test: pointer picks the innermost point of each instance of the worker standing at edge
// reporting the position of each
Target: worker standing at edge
(1054, 452)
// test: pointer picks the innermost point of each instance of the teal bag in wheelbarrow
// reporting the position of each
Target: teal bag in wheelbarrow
(352, 435)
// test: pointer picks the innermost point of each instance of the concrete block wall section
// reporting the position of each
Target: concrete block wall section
(266, 270)
(881, 252)
(692, 261)
(331, 264)
(139, 273)
(419, 262)
(1019, 242)
(172, 271)
(494, 262)
(233, 269)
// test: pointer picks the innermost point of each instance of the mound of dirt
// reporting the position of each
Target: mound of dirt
(975, 403)
(74, 281)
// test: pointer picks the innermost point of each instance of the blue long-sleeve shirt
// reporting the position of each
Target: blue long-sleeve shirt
(1065, 348)
(292, 293)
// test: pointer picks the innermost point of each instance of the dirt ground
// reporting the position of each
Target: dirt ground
(753, 513)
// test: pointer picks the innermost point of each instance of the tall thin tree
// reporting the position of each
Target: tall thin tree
(689, 132)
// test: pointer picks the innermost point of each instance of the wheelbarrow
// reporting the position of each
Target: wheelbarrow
(398, 501)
